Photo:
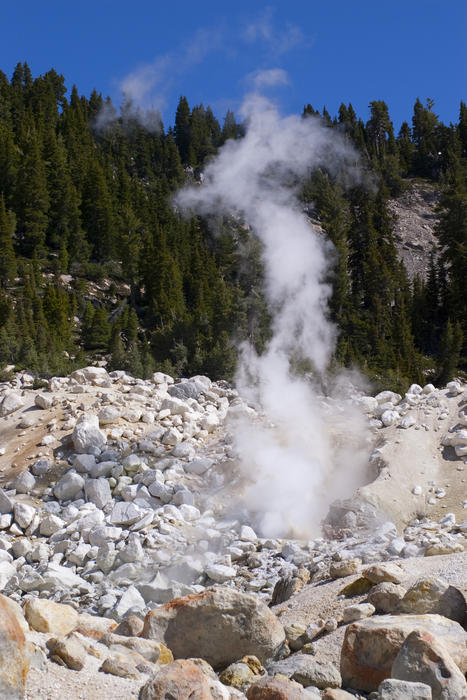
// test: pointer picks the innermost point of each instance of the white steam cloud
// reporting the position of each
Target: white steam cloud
(292, 462)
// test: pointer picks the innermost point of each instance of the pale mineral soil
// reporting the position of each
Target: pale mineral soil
(59, 683)
(416, 457)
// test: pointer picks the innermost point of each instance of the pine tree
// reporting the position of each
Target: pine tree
(8, 268)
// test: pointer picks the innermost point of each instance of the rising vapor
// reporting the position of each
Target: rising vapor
(289, 460)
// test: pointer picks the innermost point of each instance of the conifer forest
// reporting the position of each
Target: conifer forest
(97, 263)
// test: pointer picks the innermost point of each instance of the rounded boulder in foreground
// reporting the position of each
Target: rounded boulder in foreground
(219, 625)
(180, 679)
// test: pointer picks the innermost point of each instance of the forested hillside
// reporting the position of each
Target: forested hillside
(95, 261)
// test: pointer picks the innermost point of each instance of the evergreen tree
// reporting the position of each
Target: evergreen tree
(8, 268)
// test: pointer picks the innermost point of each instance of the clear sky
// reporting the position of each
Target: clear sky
(297, 51)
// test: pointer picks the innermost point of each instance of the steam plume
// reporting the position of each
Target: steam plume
(289, 459)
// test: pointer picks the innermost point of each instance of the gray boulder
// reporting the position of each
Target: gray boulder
(220, 625)
(97, 491)
(69, 486)
(190, 389)
(11, 403)
(307, 671)
(86, 436)
(6, 504)
(370, 646)
(424, 659)
(392, 689)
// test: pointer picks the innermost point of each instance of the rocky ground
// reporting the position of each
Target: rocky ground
(113, 504)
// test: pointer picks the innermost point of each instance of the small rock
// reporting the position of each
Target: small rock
(307, 671)
(276, 689)
(386, 597)
(357, 612)
(392, 689)
(347, 567)
(120, 668)
(69, 486)
(69, 650)
(384, 571)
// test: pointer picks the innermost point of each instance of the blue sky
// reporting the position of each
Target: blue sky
(297, 51)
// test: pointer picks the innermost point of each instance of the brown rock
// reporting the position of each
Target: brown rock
(238, 675)
(423, 659)
(13, 656)
(358, 587)
(431, 594)
(46, 616)
(286, 586)
(370, 646)
(94, 627)
(276, 689)
(347, 567)
(296, 636)
(69, 650)
(220, 624)
(383, 571)
(117, 667)
(336, 694)
(386, 597)
(180, 680)
(131, 626)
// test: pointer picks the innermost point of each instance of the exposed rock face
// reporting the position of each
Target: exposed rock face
(415, 219)
(13, 658)
(422, 658)
(221, 625)
(370, 646)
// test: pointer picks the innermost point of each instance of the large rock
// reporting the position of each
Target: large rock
(276, 689)
(370, 646)
(220, 624)
(434, 595)
(13, 656)
(180, 680)
(11, 403)
(190, 389)
(47, 616)
(423, 659)
(86, 435)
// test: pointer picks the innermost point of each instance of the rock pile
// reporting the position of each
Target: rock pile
(107, 517)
